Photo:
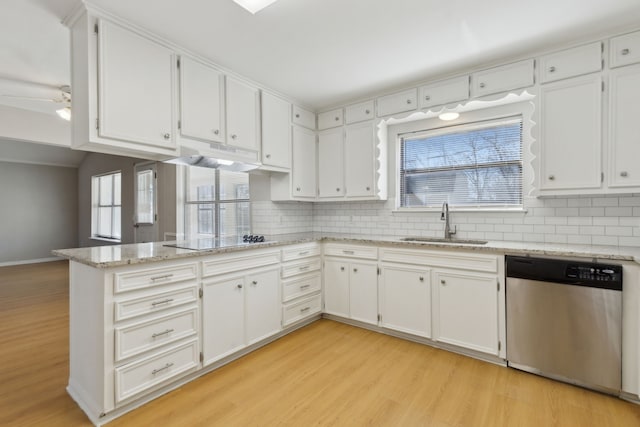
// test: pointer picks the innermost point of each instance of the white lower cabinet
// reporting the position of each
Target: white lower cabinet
(350, 289)
(239, 310)
(405, 299)
(465, 310)
(301, 283)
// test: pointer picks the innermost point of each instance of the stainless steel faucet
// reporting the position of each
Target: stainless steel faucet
(444, 216)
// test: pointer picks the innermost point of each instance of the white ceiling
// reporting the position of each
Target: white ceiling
(320, 52)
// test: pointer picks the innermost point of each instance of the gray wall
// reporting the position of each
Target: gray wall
(38, 212)
(96, 164)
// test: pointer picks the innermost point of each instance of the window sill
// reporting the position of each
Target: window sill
(105, 239)
(465, 210)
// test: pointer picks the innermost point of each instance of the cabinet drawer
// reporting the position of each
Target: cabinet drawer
(501, 79)
(359, 112)
(306, 266)
(300, 286)
(300, 251)
(456, 260)
(303, 117)
(142, 375)
(154, 302)
(351, 251)
(240, 261)
(153, 277)
(571, 62)
(140, 337)
(625, 50)
(444, 92)
(330, 119)
(294, 312)
(398, 102)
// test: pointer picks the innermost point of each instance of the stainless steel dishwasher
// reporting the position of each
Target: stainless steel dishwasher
(564, 320)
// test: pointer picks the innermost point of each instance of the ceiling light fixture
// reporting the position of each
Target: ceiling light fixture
(451, 115)
(64, 113)
(254, 6)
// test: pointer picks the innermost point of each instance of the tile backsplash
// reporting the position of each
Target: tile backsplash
(602, 220)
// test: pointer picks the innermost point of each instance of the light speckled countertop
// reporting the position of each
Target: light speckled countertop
(138, 253)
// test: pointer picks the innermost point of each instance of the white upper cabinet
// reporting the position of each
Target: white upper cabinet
(359, 112)
(303, 117)
(625, 50)
(444, 92)
(303, 169)
(398, 102)
(361, 159)
(330, 119)
(243, 115)
(135, 81)
(624, 131)
(276, 131)
(331, 163)
(201, 101)
(570, 134)
(571, 62)
(502, 79)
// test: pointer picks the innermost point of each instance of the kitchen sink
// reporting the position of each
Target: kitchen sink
(440, 240)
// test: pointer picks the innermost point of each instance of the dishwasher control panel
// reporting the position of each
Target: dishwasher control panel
(594, 272)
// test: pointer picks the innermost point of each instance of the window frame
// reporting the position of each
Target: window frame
(455, 127)
(96, 207)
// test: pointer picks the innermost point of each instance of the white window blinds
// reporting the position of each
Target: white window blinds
(476, 165)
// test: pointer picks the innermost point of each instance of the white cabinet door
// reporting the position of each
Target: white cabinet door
(223, 318)
(243, 115)
(405, 299)
(135, 86)
(363, 292)
(303, 117)
(330, 119)
(398, 102)
(201, 101)
(303, 169)
(263, 305)
(625, 49)
(624, 128)
(571, 62)
(336, 287)
(330, 163)
(502, 79)
(359, 112)
(570, 134)
(444, 92)
(276, 131)
(361, 158)
(465, 309)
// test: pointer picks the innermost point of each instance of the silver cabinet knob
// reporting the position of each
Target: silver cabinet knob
(337, 119)
(216, 131)
(625, 52)
(254, 282)
(367, 112)
(355, 270)
(422, 278)
(552, 69)
(239, 286)
(268, 156)
(297, 188)
(482, 85)
(443, 282)
(234, 136)
(427, 98)
(338, 189)
(166, 136)
(624, 174)
(341, 268)
(368, 188)
(408, 101)
(297, 116)
(552, 177)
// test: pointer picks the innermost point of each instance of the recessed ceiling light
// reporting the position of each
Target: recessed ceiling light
(452, 115)
(254, 6)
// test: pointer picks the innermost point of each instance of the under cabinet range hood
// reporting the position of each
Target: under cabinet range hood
(214, 157)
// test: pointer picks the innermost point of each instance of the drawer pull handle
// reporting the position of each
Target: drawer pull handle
(625, 51)
(305, 286)
(159, 334)
(163, 277)
(348, 252)
(303, 253)
(164, 301)
(164, 368)
(302, 310)
(306, 267)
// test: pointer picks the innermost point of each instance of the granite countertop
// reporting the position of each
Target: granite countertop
(138, 253)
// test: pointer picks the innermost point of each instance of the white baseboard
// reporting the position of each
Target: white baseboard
(29, 261)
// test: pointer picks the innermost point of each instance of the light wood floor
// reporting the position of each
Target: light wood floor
(325, 374)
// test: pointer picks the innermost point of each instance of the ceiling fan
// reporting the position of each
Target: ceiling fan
(57, 95)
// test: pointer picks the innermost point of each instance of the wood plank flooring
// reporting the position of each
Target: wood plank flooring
(325, 374)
